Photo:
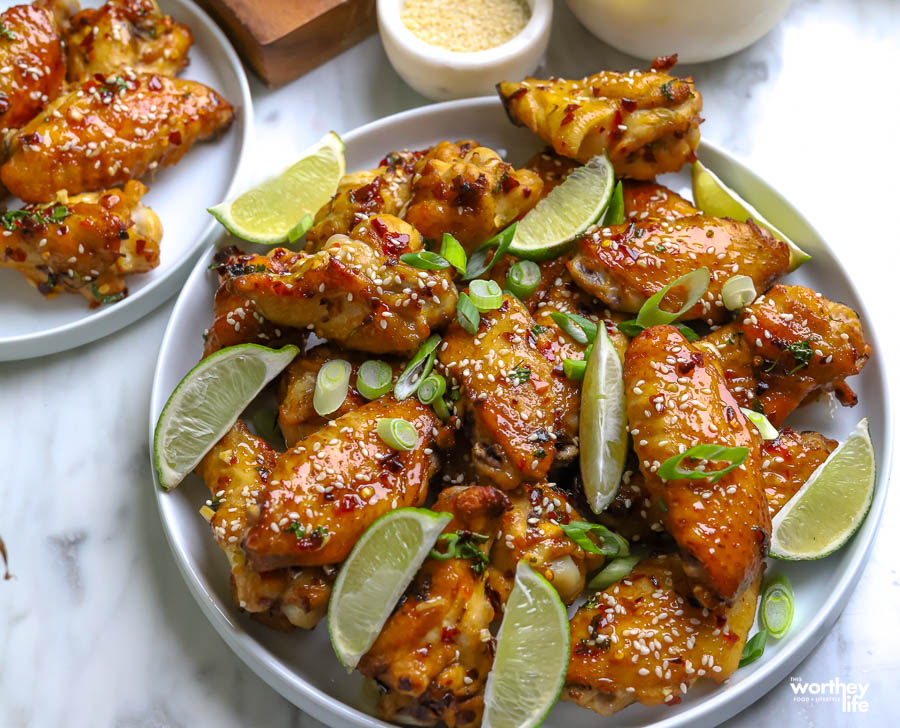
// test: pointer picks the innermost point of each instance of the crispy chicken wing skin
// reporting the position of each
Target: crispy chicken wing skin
(788, 461)
(644, 640)
(469, 191)
(104, 133)
(652, 201)
(384, 190)
(356, 291)
(34, 67)
(132, 33)
(325, 491)
(86, 245)
(435, 652)
(506, 388)
(647, 123)
(676, 398)
(236, 471)
(624, 265)
(788, 346)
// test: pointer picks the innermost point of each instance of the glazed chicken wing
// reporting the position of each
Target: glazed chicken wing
(356, 291)
(644, 640)
(787, 347)
(676, 398)
(132, 33)
(788, 461)
(31, 57)
(652, 201)
(647, 123)
(325, 491)
(236, 471)
(434, 654)
(86, 244)
(469, 191)
(384, 190)
(624, 265)
(552, 168)
(106, 132)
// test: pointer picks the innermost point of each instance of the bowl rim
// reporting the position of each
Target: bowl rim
(390, 24)
(726, 700)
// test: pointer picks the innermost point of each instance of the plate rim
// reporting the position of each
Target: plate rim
(726, 700)
(107, 320)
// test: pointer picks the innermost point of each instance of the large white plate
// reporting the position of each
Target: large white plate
(301, 665)
(31, 325)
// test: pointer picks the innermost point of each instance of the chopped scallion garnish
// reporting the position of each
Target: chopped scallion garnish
(776, 611)
(486, 295)
(765, 427)
(611, 544)
(332, 384)
(453, 253)
(523, 279)
(696, 282)
(578, 327)
(737, 292)
(425, 260)
(431, 391)
(479, 264)
(754, 648)
(613, 572)
(374, 379)
(467, 313)
(418, 368)
(397, 433)
(615, 213)
(735, 456)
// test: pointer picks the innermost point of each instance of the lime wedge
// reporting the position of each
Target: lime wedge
(532, 655)
(831, 505)
(716, 198)
(275, 211)
(207, 402)
(570, 209)
(375, 575)
(602, 424)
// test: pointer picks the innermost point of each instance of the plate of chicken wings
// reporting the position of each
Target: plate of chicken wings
(287, 492)
(99, 104)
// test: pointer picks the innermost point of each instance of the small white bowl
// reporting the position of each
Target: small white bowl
(697, 30)
(443, 74)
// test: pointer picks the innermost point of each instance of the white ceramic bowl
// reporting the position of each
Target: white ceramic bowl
(698, 30)
(443, 74)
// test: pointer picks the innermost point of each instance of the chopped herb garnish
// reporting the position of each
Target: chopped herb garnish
(46, 215)
(106, 298)
(7, 33)
(463, 545)
(802, 352)
(611, 544)
(540, 453)
(666, 90)
(520, 375)
(660, 248)
(537, 329)
(754, 648)
(295, 528)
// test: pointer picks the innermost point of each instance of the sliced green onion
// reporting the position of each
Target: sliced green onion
(613, 572)
(776, 612)
(523, 279)
(425, 259)
(611, 544)
(737, 292)
(765, 427)
(574, 368)
(332, 385)
(374, 379)
(478, 263)
(467, 313)
(687, 332)
(669, 470)
(578, 327)
(696, 282)
(431, 391)
(418, 368)
(486, 295)
(615, 212)
(754, 648)
(453, 253)
(397, 433)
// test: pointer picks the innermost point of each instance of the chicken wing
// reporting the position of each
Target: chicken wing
(356, 291)
(330, 487)
(788, 461)
(125, 33)
(647, 123)
(531, 530)
(506, 389)
(384, 190)
(469, 191)
(107, 131)
(434, 654)
(31, 57)
(552, 168)
(83, 244)
(624, 265)
(652, 201)
(787, 347)
(236, 472)
(675, 399)
(644, 640)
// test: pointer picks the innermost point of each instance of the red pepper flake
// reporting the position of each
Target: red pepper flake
(629, 104)
(175, 138)
(448, 634)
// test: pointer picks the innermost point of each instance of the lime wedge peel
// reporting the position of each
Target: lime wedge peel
(376, 573)
(830, 507)
(282, 208)
(571, 208)
(602, 424)
(532, 655)
(716, 198)
(208, 401)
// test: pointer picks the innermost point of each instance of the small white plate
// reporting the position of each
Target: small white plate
(31, 325)
(302, 666)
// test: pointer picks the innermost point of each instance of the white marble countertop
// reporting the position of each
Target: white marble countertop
(97, 627)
